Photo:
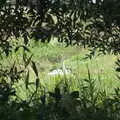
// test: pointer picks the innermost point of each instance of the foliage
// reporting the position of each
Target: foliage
(88, 103)
(81, 22)
(2, 2)
(72, 22)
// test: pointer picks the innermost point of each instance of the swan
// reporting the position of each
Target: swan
(63, 71)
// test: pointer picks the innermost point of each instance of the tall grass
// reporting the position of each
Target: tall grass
(90, 92)
(50, 56)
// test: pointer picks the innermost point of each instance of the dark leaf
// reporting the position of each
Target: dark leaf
(43, 99)
(25, 39)
(34, 68)
(37, 83)
(27, 62)
(25, 48)
(17, 48)
(75, 94)
(27, 80)
(118, 69)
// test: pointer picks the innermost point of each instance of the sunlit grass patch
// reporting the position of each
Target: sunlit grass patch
(49, 57)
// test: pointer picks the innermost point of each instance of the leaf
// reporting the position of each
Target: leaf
(118, 69)
(50, 19)
(37, 83)
(17, 48)
(28, 61)
(56, 94)
(12, 68)
(86, 80)
(25, 48)
(27, 80)
(34, 68)
(25, 39)
(57, 91)
(43, 99)
(89, 75)
(75, 94)
(24, 57)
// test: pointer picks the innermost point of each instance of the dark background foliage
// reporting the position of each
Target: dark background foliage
(73, 22)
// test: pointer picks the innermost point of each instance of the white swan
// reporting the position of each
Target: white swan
(62, 71)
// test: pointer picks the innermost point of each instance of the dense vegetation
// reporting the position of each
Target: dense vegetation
(92, 26)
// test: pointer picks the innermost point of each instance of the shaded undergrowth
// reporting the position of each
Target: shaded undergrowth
(89, 102)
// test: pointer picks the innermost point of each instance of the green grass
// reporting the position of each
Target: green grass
(50, 56)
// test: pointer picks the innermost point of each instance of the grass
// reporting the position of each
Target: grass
(50, 56)
(86, 93)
